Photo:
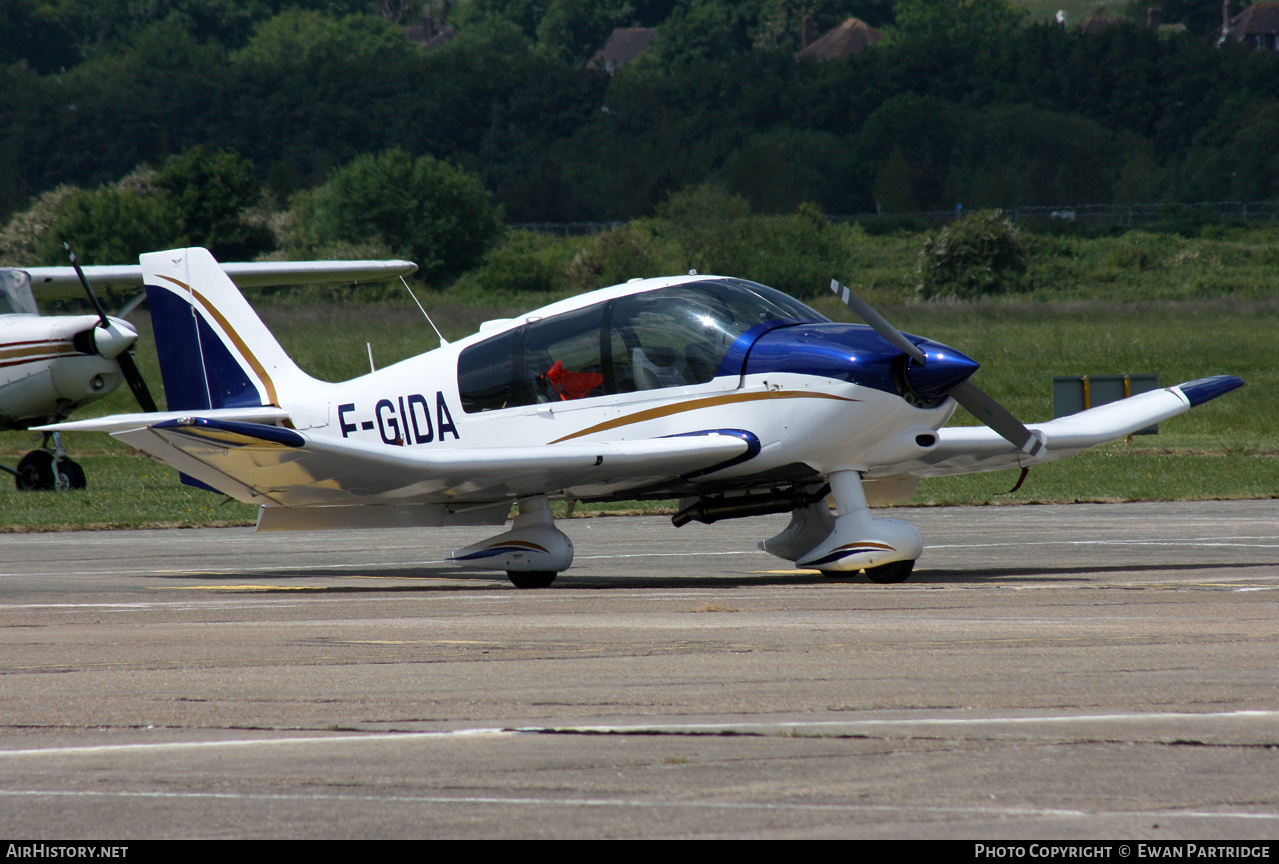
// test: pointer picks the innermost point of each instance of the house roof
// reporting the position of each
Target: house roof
(1257, 20)
(624, 45)
(844, 41)
(428, 36)
(1100, 20)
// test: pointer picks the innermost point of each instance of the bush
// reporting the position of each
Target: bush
(423, 208)
(980, 254)
(210, 192)
(612, 258)
(108, 225)
(522, 262)
(20, 240)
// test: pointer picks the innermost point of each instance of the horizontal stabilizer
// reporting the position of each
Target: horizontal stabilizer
(125, 422)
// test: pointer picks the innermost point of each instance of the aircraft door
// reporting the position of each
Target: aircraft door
(560, 358)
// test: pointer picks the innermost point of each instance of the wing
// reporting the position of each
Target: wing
(970, 449)
(266, 464)
(61, 283)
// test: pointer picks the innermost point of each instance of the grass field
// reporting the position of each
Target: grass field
(1226, 449)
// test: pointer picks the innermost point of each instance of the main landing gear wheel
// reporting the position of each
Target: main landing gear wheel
(70, 475)
(35, 471)
(531, 579)
(886, 574)
(39, 470)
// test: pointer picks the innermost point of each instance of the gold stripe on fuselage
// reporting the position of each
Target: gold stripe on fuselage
(697, 404)
(30, 352)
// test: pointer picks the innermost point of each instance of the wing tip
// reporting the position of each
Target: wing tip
(1203, 390)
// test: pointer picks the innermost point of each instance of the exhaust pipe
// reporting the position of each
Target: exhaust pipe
(709, 510)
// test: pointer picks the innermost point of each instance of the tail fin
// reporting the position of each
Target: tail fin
(214, 350)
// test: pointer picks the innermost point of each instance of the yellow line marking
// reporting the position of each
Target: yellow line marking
(238, 588)
(415, 642)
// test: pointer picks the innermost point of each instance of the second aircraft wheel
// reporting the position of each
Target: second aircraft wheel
(35, 471)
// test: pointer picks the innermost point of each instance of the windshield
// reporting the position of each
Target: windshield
(15, 293)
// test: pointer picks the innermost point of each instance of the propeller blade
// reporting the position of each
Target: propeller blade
(981, 405)
(93, 297)
(975, 400)
(136, 383)
(878, 322)
(128, 368)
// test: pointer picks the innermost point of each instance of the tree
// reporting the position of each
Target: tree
(573, 30)
(423, 208)
(298, 38)
(964, 23)
(706, 31)
(909, 143)
(209, 194)
(33, 32)
(108, 225)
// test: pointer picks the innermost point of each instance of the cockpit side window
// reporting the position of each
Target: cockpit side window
(485, 377)
(546, 360)
(561, 357)
(15, 293)
(668, 338)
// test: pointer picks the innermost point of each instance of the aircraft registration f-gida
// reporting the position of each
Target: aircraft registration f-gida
(54, 364)
(727, 394)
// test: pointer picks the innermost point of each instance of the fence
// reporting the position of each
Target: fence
(1126, 215)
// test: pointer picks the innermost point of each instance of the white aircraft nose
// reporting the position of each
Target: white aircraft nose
(113, 340)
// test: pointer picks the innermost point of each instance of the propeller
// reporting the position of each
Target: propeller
(975, 400)
(114, 340)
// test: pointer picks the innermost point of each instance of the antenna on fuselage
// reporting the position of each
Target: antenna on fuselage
(443, 341)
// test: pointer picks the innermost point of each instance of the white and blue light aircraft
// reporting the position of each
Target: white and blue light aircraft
(724, 393)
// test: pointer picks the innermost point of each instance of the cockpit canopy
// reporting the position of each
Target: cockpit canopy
(15, 293)
(669, 337)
